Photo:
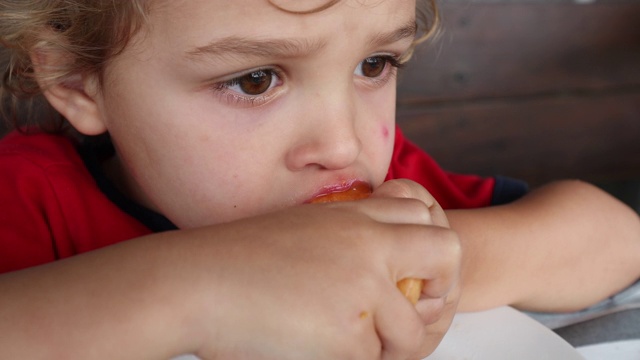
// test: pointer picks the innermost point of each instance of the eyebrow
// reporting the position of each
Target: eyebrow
(260, 48)
(286, 48)
(408, 30)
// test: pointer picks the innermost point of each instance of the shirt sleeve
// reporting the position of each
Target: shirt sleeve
(25, 234)
(51, 206)
(507, 189)
(451, 190)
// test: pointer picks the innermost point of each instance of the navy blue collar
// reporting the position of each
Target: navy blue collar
(93, 153)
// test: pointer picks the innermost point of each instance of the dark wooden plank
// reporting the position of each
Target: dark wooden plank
(498, 49)
(594, 137)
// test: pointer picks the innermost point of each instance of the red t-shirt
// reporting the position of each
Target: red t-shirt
(452, 191)
(51, 206)
(54, 207)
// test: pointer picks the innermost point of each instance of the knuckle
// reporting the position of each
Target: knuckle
(401, 188)
(451, 245)
(404, 188)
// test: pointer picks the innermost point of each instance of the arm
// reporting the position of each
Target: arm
(309, 282)
(561, 248)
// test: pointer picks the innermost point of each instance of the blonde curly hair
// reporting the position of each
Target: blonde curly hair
(77, 28)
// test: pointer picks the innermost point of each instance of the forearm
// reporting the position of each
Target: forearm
(561, 248)
(310, 282)
(118, 302)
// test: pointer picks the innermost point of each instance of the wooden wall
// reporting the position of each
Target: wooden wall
(537, 90)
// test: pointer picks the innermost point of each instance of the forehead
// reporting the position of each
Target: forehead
(198, 21)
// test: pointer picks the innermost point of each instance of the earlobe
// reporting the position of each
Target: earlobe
(73, 97)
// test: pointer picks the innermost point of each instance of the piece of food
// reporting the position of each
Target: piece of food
(357, 191)
(410, 288)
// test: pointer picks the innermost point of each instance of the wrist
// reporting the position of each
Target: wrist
(154, 282)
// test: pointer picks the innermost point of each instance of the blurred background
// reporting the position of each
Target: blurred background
(532, 89)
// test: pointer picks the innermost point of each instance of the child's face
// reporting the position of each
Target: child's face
(225, 109)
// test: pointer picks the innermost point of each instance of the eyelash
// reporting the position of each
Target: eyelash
(392, 62)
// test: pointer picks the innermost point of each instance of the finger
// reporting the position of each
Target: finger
(392, 210)
(430, 310)
(399, 336)
(438, 321)
(431, 253)
(399, 327)
(434, 335)
(403, 188)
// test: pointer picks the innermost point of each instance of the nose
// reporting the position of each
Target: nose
(329, 138)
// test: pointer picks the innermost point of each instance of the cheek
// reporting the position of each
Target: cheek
(387, 134)
(384, 114)
(382, 140)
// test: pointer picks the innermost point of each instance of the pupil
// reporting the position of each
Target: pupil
(256, 83)
(373, 66)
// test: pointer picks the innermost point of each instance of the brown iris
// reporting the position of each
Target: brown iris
(255, 83)
(373, 66)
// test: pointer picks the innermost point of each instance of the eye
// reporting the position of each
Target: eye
(251, 88)
(254, 83)
(374, 66)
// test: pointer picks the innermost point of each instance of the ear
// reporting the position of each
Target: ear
(74, 97)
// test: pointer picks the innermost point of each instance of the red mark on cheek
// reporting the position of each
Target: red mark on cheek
(385, 132)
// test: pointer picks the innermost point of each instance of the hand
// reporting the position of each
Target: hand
(318, 281)
(441, 296)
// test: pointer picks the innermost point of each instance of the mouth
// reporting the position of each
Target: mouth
(356, 186)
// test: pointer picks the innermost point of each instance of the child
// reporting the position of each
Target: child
(223, 119)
